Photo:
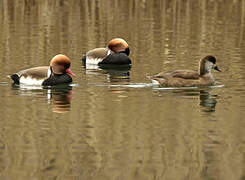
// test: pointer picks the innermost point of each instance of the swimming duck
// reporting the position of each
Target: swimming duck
(57, 73)
(189, 78)
(116, 53)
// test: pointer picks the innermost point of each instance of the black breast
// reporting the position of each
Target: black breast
(116, 59)
(56, 79)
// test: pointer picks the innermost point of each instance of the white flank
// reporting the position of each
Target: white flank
(90, 60)
(30, 81)
(92, 67)
(155, 82)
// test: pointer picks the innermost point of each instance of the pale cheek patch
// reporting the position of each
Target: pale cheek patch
(30, 81)
(208, 66)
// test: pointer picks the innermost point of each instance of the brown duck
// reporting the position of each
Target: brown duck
(188, 78)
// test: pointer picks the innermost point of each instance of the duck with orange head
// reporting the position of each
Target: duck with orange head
(58, 72)
(116, 53)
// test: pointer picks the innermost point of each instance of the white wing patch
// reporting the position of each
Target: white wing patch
(108, 52)
(30, 81)
(49, 72)
(90, 60)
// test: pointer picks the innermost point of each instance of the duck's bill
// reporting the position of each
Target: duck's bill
(70, 72)
(217, 69)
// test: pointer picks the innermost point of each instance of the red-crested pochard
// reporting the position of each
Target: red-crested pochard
(116, 53)
(56, 73)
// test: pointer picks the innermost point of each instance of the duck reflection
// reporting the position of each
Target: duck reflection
(58, 96)
(114, 74)
(118, 75)
(207, 101)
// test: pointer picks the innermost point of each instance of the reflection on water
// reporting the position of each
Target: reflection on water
(208, 101)
(58, 96)
(118, 75)
(113, 75)
(60, 99)
(206, 98)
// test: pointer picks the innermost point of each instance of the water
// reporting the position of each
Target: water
(115, 124)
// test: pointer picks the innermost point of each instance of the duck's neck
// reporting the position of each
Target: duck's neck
(204, 72)
(201, 69)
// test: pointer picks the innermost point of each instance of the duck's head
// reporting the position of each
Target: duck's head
(60, 64)
(207, 64)
(119, 45)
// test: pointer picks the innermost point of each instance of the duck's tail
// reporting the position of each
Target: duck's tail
(15, 77)
(153, 80)
(149, 77)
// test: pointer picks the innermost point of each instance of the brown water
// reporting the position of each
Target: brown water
(111, 126)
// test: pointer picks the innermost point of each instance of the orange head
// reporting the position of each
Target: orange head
(118, 45)
(60, 64)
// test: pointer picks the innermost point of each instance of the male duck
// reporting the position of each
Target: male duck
(189, 78)
(57, 73)
(116, 53)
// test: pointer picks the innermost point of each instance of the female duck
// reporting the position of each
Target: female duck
(116, 53)
(188, 78)
(57, 73)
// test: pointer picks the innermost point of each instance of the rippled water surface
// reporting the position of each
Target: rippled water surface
(114, 124)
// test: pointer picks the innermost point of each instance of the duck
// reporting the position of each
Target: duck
(189, 78)
(116, 53)
(56, 73)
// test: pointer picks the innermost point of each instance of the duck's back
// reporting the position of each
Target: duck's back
(184, 74)
(180, 82)
(182, 78)
(36, 72)
(97, 53)
(28, 75)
